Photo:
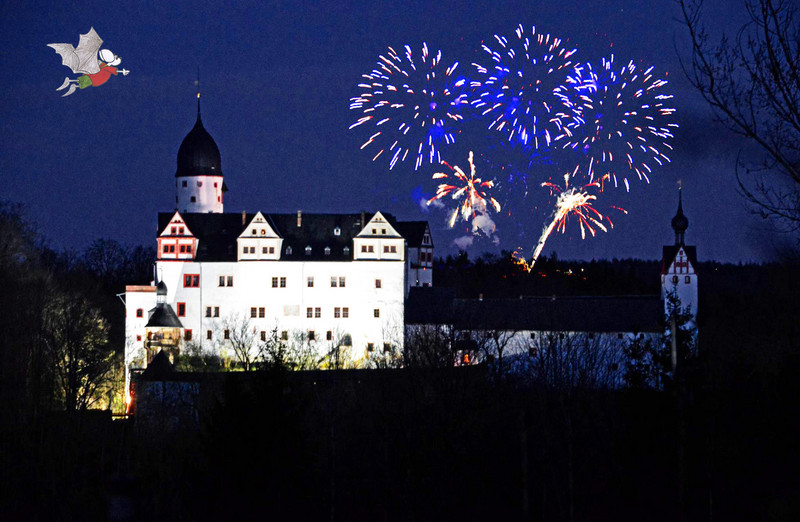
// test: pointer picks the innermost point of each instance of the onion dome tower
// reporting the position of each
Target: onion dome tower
(678, 266)
(199, 184)
(680, 222)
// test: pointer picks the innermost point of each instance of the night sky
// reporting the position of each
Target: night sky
(276, 79)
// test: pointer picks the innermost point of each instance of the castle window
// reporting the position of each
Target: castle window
(187, 335)
(139, 312)
(376, 312)
(329, 335)
(346, 251)
(310, 281)
(687, 280)
(226, 334)
(308, 250)
(253, 312)
(191, 280)
(193, 199)
(317, 313)
(181, 309)
(309, 312)
(370, 347)
(327, 251)
(183, 183)
(378, 283)
(337, 231)
(199, 183)
(261, 312)
(209, 334)
(288, 251)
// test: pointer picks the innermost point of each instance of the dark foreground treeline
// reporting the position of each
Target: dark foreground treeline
(719, 444)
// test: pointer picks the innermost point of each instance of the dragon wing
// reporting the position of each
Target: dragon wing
(82, 59)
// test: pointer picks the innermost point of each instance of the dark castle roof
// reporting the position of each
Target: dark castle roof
(198, 154)
(572, 314)
(163, 316)
(217, 233)
(412, 231)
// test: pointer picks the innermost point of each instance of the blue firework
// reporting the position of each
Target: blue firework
(414, 104)
(515, 86)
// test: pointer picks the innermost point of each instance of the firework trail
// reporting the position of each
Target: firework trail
(471, 192)
(415, 104)
(572, 201)
(623, 124)
(516, 91)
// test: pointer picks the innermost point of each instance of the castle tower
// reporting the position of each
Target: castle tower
(678, 264)
(199, 184)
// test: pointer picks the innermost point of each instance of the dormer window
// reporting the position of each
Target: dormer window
(374, 231)
(308, 250)
(327, 251)
(253, 232)
(337, 231)
(383, 231)
(347, 251)
(263, 232)
(288, 251)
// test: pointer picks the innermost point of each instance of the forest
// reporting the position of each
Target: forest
(717, 442)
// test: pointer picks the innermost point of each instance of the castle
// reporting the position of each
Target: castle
(329, 281)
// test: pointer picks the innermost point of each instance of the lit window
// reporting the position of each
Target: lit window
(308, 250)
(311, 281)
(376, 312)
(337, 231)
(139, 312)
(187, 335)
(181, 309)
(378, 283)
(327, 251)
(263, 232)
(288, 251)
(347, 251)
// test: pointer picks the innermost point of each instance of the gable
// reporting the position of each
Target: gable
(378, 225)
(176, 226)
(258, 227)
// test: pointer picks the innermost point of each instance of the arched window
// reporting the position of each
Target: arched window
(327, 251)
(347, 251)
(337, 231)
(288, 250)
(308, 250)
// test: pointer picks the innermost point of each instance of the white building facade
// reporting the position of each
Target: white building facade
(327, 279)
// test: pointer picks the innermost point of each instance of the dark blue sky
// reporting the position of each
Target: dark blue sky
(276, 82)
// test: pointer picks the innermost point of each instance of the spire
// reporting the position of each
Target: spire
(680, 222)
(197, 82)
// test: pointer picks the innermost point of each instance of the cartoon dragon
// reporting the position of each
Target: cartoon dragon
(83, 60)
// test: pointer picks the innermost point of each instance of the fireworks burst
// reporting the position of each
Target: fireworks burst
(517, 90)
(624, 122)
(470, 190)
(572, 201)
(415, 105)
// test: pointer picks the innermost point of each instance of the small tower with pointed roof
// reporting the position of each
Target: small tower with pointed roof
(678, 264)
(199, 183)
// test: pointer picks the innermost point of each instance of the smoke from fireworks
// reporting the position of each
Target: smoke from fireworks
(516, 90)
(471, 191)
(414, 103)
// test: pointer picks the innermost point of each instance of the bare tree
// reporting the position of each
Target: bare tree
(76, 337)
(240, 335)
(752, 83)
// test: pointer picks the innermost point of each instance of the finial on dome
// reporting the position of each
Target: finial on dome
(197, 82)
(680, 222)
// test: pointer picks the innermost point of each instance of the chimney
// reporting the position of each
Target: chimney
(363, 219)
(299, 218)
(244, 218)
